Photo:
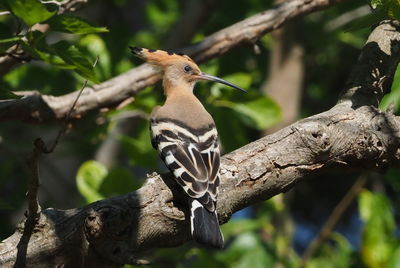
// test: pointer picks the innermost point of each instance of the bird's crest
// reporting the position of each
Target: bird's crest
(190, 71)
(159, 57)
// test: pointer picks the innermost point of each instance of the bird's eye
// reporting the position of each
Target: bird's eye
(187, 68)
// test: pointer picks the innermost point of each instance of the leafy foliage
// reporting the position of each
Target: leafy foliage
(34, 43)
(391, 7)
(73, 57)
(89, 179)
(30, 11)
(96, 182)
(74, 25)
(394, 96)
(378, 241)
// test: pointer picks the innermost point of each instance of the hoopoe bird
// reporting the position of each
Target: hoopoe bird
(186, 138)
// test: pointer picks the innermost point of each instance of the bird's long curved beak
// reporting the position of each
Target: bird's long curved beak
(204, 76)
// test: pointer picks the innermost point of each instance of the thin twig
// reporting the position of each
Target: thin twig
(39, 148)
(333, 219)
(32, 194)
(347, 17)
(71, 5)
(67, 119)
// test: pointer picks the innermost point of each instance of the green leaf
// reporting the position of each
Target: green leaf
(260, 113)
(390, 7)
(119, 181)
(46, 56)
(341, 251)
(247, 250)
(6, 94)
(8, 42)
(376, 3)
(72, 56)
(72, 24)
(239, 226)
(395, 258)
(227, 127)
(38, 48)
(93, 45)
(378, 232)
(162, 17)
(7, 38)
(394, 95)
(376, 206)
(42, 77)
(139, 148)
(30, 11)
(394, 9)
(89, 178)
(242, 80)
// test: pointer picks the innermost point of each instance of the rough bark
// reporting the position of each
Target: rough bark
(37, 108)
(111, 232)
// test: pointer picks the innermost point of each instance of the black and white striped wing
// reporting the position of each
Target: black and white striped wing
(192, 155)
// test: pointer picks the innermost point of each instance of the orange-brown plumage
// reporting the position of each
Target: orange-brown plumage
(160, 57)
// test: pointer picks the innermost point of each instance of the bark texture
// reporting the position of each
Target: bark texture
(112, 232)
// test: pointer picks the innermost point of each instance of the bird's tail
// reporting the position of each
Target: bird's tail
(204, 225)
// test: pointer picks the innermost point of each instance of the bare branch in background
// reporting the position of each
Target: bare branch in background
(347, 17)
(286, 64)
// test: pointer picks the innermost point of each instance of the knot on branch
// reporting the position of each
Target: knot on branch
(386, 136)
(315, 139)
(376, 140)
(109, 232)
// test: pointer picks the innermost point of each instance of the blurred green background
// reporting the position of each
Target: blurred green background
(293, 73)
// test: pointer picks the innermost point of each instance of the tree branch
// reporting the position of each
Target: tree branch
(37, 108)
(118, 230)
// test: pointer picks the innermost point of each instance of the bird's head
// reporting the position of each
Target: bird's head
(178, 69)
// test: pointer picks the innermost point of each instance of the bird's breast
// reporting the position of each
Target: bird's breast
(188, 111)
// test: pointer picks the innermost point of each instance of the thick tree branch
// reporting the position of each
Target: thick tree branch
(373, 77)
(118, 230)
(37, 108)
